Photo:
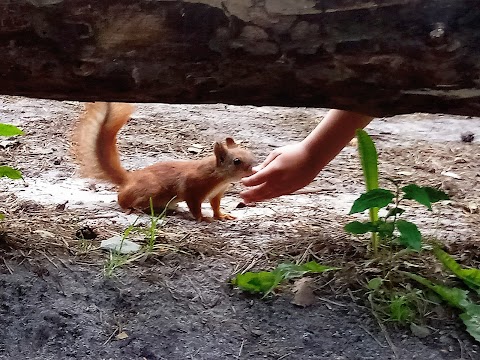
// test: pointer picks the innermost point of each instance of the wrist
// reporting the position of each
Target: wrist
(331, 135)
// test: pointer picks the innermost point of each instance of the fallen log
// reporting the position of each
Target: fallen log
(377, 57)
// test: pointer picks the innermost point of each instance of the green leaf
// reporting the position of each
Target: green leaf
(2, 216)
(385, 229)
(316, 268)
(435, 194)
(424, 195)
(470, 276)
(9, 130)
(471, 319)
(457, 298)
(291, 271)
(394, 211)
(409, 235)
(453, 296)
(357, 227)
(376, 198)
(375, 283)
(266, 281)
(368, 159)
(258, 282)
(7, 171)
(417, 193)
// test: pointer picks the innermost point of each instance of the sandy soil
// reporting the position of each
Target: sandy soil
(56, 303)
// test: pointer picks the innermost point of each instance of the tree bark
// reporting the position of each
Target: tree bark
(380, 57)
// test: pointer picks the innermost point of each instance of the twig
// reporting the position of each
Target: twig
(110, 337)
(241, 349)
(304, 255)
(462, 350)
(311, 191)
(197, 291)
(248, 267)
(284, 356)
(384, 330)
(333, 302)
(373, 337)
(8, 267)
(49, 260)
(104, 216)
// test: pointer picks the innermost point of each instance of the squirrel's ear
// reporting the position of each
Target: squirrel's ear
(230, 142)
(220, 153)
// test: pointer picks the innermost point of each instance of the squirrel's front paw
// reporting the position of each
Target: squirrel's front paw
(225, 216)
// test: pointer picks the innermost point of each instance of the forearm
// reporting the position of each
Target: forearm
(332, 135)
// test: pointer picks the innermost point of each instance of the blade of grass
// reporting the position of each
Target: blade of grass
(470, 276)
(369, 160)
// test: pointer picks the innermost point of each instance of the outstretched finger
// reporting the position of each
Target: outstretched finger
(267, 161)
(260, 177)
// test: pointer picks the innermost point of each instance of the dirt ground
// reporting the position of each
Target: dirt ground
(56, 303)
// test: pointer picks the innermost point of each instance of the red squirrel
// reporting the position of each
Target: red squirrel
(192, 181)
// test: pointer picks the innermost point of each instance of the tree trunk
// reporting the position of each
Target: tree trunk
(380, 57)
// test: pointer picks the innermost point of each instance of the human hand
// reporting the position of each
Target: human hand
(284, 171)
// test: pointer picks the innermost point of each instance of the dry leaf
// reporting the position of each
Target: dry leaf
(121, 336)
(353, 142)
(45, 234)
(420, 331)
(451, 174)
(195, 149)
(471, 207)
(303, 292)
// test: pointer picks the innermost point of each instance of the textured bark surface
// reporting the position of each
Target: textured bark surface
(378, 57)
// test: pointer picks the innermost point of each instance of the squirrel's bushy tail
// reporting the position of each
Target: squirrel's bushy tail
(95, 141)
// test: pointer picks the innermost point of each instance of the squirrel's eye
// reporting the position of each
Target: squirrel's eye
(237, 161)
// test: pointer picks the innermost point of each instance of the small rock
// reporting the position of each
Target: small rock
(61, 207)
(257, 332)
(117, 243)
(9, 143)
(240, 205)
(445, 340)
(419, 331)
(467, 136)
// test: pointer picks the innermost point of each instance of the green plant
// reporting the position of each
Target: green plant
(383, 292)
(390, 228)
(8, 131)
(401, 309)
(369, 160)
(264, 282)
(395, 304)
(116, 259)
(152, 231)
(457, 298)
(470, 276)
